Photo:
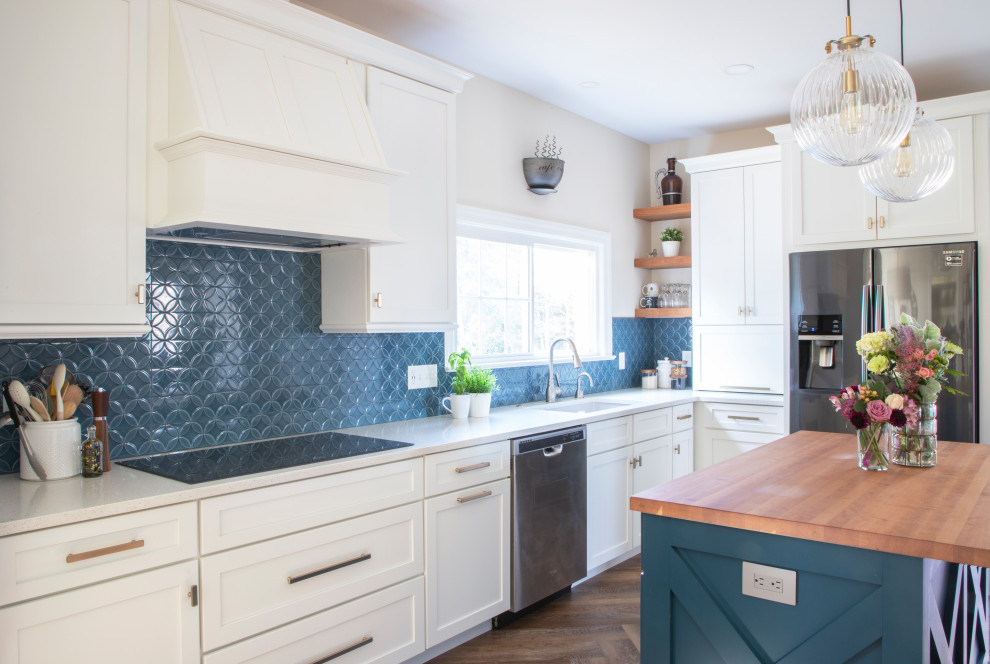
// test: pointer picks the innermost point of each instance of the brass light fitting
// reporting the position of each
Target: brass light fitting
(850, 40)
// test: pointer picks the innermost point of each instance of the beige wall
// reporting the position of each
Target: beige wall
(603, 173)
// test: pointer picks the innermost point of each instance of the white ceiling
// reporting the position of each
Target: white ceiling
(660, 62)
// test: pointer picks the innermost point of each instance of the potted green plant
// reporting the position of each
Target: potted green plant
(458, 403)
(481, 383)
(670, 240)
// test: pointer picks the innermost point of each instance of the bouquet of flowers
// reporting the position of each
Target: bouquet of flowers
(869, 408)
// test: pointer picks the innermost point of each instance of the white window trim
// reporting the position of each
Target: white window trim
(491, 224)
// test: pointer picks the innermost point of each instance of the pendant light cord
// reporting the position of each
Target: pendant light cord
(900, 4)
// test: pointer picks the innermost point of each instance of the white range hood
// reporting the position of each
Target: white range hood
(269, 138)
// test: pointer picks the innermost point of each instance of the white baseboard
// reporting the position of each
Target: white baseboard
(450, 643)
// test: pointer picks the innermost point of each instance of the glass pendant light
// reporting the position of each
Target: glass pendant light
(855, 106)
(919, 166)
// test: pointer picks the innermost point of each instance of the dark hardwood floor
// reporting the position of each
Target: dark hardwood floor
(597, 623)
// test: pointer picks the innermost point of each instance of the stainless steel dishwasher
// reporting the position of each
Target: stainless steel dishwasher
(549, 514)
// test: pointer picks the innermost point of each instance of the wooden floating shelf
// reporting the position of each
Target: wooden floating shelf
(662, 262)
(665, 312)
(663, 212)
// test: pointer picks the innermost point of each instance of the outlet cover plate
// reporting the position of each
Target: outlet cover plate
(770, 583)
(421, 376)
(622, 361)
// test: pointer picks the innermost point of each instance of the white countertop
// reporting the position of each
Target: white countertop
(26, 506)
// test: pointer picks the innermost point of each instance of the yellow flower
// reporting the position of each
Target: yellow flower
(878, 364)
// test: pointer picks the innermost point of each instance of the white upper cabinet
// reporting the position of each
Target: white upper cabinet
(410, 285)
(736, 219)
(72, 195)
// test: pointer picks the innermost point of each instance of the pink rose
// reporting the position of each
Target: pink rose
(925, 372)
(931, 355)
(878, 411)
(918, 355)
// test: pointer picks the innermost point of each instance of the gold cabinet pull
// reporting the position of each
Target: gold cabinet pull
(140, 294)
(677, 448)
(636, 461)
(379, 300)
(684, 417)
(346, 649)
(869, 222)
(474, 496)
(193, 595)
(739, 311)
(330, 568)
(744, 417)
(473, 466)
(749, 311)
(105, 551)
(882, 221)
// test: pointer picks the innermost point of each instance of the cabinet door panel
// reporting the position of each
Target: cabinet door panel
(609, 519)
(73, 209)
(152, 619)
(415, 125)
(950, 209)
(467, 566)
(717, 235)
(830, 203)
(764, 248)
(683, 454)
(714, 445)
(744, 358)
(653, 466)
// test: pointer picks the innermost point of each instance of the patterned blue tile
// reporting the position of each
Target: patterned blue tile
(235, 354)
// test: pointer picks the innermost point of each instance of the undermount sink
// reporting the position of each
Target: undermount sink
(582, 406)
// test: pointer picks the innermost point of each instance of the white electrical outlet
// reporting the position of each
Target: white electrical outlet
(770, 583)
(421, 376)
(686, 356)
(622, 360)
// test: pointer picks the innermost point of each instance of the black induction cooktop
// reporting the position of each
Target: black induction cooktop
(226, 461)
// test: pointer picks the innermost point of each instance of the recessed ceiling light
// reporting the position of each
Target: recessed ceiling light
(589, 84)
(737, 70)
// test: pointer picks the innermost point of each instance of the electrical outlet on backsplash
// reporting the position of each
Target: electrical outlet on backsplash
(235, 354)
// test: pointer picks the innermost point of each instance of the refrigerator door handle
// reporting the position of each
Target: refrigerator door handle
(879, 315)
(864, 322)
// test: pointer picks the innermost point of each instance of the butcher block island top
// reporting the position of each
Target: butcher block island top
(807, 485)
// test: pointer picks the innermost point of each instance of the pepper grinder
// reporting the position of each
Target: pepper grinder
(101, 404)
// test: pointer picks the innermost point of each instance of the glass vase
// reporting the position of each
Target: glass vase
(916, 445)
(872, 447)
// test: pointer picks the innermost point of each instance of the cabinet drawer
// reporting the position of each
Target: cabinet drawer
(47, 561)
(714, 445)
(251, 516)
(609, 434)
(683, 417)
(652, 424)
(383, 628)
(457, 469)
(254, 588)
(736, 417)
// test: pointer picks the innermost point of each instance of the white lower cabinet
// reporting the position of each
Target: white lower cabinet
(467, 558)
(147, 617)
(652, 465)
(609, 521)
(726, 430)
(385, 627)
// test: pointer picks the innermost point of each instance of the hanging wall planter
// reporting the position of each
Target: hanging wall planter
(544, 171)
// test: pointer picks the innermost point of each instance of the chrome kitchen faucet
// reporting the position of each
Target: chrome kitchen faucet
(553, 391)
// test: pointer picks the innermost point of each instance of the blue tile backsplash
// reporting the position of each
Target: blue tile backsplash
(235, 354)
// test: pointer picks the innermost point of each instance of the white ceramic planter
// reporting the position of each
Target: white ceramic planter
(458, 405)
(671, 248)
(481, 404)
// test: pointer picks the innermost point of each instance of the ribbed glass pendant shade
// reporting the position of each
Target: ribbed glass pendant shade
(915, 170)
(846, 128)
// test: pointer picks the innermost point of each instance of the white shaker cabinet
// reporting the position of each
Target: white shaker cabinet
(726, 430)
(148, 618)
(407, 286)
(683, 440)
(72, 191)
(830, 204)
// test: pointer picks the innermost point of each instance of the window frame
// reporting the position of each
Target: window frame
(505, 227)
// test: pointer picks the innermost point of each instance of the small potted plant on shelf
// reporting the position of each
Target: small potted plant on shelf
(670, 240)
(458, 403)
(481, 384)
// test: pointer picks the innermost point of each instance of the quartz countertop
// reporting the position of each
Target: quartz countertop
(26, 506)
(808, 485)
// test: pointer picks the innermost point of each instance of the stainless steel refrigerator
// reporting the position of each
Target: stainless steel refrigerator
(837, 296)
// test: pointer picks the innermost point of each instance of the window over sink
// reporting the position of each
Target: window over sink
(523, 282)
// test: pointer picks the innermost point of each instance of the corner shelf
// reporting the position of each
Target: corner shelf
(663, 212)
(663, 262)
(666, 312)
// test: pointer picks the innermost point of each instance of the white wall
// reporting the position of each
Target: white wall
(604, 173)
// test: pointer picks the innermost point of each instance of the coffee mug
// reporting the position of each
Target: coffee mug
(458, 405)
(651, 289)
(648, 302)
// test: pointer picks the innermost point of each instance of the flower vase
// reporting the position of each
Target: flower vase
(872, 447)
(916, 445)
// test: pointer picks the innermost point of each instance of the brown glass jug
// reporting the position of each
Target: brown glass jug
(671, 184)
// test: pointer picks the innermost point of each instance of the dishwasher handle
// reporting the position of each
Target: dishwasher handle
(553, 451)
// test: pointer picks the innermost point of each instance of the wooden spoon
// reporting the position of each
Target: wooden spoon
(58, 380)
(70, 409)
(73, 394)
(20, 396)
(38, 406)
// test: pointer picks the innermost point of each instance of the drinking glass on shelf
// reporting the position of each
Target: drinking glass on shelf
(665, 296)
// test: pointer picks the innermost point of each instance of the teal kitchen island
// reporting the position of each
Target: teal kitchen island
(791, 553)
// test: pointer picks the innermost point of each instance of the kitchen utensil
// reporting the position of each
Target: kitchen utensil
(73, 394)
(101, 406)
(46, 373)
(39, 407)
(20, 396)
(11, 408)
(58, 382)
(70, 409)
